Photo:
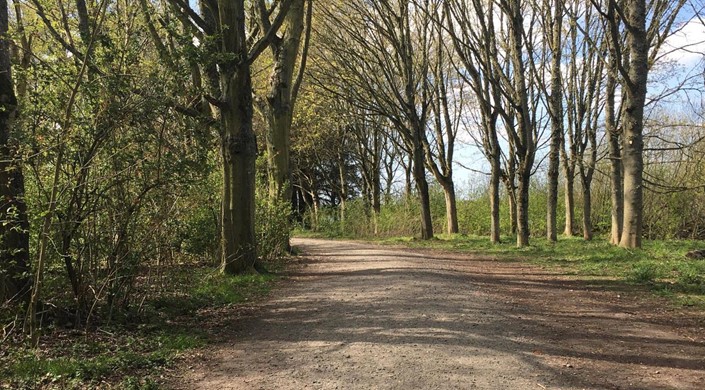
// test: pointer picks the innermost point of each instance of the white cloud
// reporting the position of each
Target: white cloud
(687, 46)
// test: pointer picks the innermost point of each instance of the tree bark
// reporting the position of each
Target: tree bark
(512, 200)
(343, 192)
(569, 197)
(523, 231)
(556, 113)
(376, 179)
(14, 230)
(615, 155)
(633, 123)
(280, 102)
(238, 143)
(451, 206)
(587, 208)
(524, 139)
(419, 173)
(495, 237)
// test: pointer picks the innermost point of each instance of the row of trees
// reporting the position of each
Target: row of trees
(518, 77)
(112, 115)
(120, 119)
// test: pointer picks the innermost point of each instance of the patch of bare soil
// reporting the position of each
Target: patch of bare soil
(360, 316)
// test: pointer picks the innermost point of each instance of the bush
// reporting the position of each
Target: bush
(200, 231)
(272, 225)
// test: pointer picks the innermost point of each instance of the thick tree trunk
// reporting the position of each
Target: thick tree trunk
(14, 229)
(279, 105)
(556, 111)
(632, 141)
(238, 144)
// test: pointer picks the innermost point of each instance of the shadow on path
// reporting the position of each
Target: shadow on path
(361, 316)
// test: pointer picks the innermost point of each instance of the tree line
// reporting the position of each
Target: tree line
(133, 131)
(559, 86)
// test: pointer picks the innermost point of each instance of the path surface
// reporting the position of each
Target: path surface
(360, 316)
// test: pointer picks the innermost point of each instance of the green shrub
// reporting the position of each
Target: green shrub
(200, 231)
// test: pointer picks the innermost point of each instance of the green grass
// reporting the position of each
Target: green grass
(91, 360)
(660, 265)
(128, 355)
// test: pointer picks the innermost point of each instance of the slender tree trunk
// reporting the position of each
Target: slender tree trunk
(343, 192)
(419, 172)
(238, 144)
(14, 229)
(523, 231)
(451, 206)
(615, 155)
(569, 203)
(376, 182)
(512, 200)
(495, 237)
(316, 212)
(556, 111)
(408, 173)
(616, 192)
(587, 208)
(632, 141)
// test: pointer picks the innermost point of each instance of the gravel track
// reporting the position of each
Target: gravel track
(361, 316)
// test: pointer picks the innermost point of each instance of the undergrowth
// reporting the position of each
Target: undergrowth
(128, 354)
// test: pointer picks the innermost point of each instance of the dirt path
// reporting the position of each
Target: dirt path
(360, 316)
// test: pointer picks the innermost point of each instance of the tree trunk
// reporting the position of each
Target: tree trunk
(316, 213)
(376, 182)
(615, 155)
(238, 144)
(556, 111)
(512, 199)
(616, 192)
(14, 229)
(524, 138)
(632, 140)
(451, 207)
(569, 203)
(408, 173)
(280, 102)
(523, 231)
(495, 237)
(419, 171)
(587, 208)
(343, 192)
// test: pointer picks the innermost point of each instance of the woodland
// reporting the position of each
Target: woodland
(157, 156)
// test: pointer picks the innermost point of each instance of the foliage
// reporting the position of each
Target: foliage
(130, 354)
(273, 226)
